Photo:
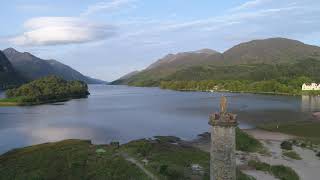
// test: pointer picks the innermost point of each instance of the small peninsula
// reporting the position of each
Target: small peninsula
(45, 90)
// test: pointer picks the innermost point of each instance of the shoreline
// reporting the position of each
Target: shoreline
(228, 91)
(8, 103)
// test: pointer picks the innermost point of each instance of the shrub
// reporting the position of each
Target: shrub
(291, 154)
(286, 145)
(242, 176)
(279, 171)
(163, 169)
(284, 173)
(260, 166)
(144, 148)
(247, 143)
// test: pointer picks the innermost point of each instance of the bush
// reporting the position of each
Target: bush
(242, 176)
(291, 154)
(279, 171)
(247, 143)
(284, 173)
(144, 148)
(286, 145)
(163, 169)
(260, 166)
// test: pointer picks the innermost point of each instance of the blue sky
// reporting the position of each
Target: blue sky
(108, 38)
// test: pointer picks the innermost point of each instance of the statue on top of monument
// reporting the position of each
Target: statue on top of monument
(223, 105)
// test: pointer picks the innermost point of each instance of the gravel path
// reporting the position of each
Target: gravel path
(139, 165)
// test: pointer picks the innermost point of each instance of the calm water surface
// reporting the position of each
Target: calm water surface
(121, 113)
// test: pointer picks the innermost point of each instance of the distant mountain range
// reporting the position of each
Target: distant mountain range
(242, 60)
(32, 67)
(8, 76)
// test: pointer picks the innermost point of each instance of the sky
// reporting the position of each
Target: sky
(108, 38)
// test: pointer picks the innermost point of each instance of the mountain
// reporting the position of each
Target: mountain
(241, 60)
(185, 59)
(8, 76)
(33, 67)
(270, 51)
(172, 63)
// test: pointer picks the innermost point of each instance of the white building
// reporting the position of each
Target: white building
(311, 87)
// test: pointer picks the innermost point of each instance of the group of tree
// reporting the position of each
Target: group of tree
(289, 86)
(269, 78)
(51, 88)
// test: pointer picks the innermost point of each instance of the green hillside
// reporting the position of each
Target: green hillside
(270, 63)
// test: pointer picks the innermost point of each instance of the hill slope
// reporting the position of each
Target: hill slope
(33, 67)
(270, 51)
(242, 58)
(8, 76)
(170, 64)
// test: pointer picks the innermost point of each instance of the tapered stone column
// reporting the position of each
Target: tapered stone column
(223, 144)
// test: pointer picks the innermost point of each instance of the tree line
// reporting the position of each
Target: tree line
(51, 88)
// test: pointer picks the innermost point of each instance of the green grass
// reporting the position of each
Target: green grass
(291, 154)
(70, 159)
(77, 159)
(307, 130)
(242, 176)
(247, 143)
(284, 173)
(169, 161)
(279, 171)
(173, 161)
(14, 100)
(10, 102)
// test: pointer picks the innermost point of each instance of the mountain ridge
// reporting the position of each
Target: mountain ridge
(33, 67)
(8, 76)
(265, 51)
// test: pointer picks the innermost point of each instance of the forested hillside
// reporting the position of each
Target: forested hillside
(261, 65)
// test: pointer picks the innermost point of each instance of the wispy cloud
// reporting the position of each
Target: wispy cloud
(250, 4)
(61, 30)
(107, 6)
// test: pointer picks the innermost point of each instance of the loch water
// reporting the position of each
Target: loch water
(122, 113)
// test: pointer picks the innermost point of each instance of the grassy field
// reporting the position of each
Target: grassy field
(291, 154)
(246, 143)
(309, 131)
(279, 171)
(70, 159)
(168, 158)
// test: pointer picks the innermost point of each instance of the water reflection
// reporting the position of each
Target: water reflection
(120, 113)
(310, 103)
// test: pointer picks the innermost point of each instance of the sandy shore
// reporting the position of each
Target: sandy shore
(308, 168)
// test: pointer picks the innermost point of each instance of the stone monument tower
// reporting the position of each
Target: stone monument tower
(223, 144)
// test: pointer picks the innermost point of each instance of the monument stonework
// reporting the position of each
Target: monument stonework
(223, 144)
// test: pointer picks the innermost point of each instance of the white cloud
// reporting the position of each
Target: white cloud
(108, 6)
(250, 4)
(61, 30)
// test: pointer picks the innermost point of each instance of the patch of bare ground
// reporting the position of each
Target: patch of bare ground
(308, 168)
